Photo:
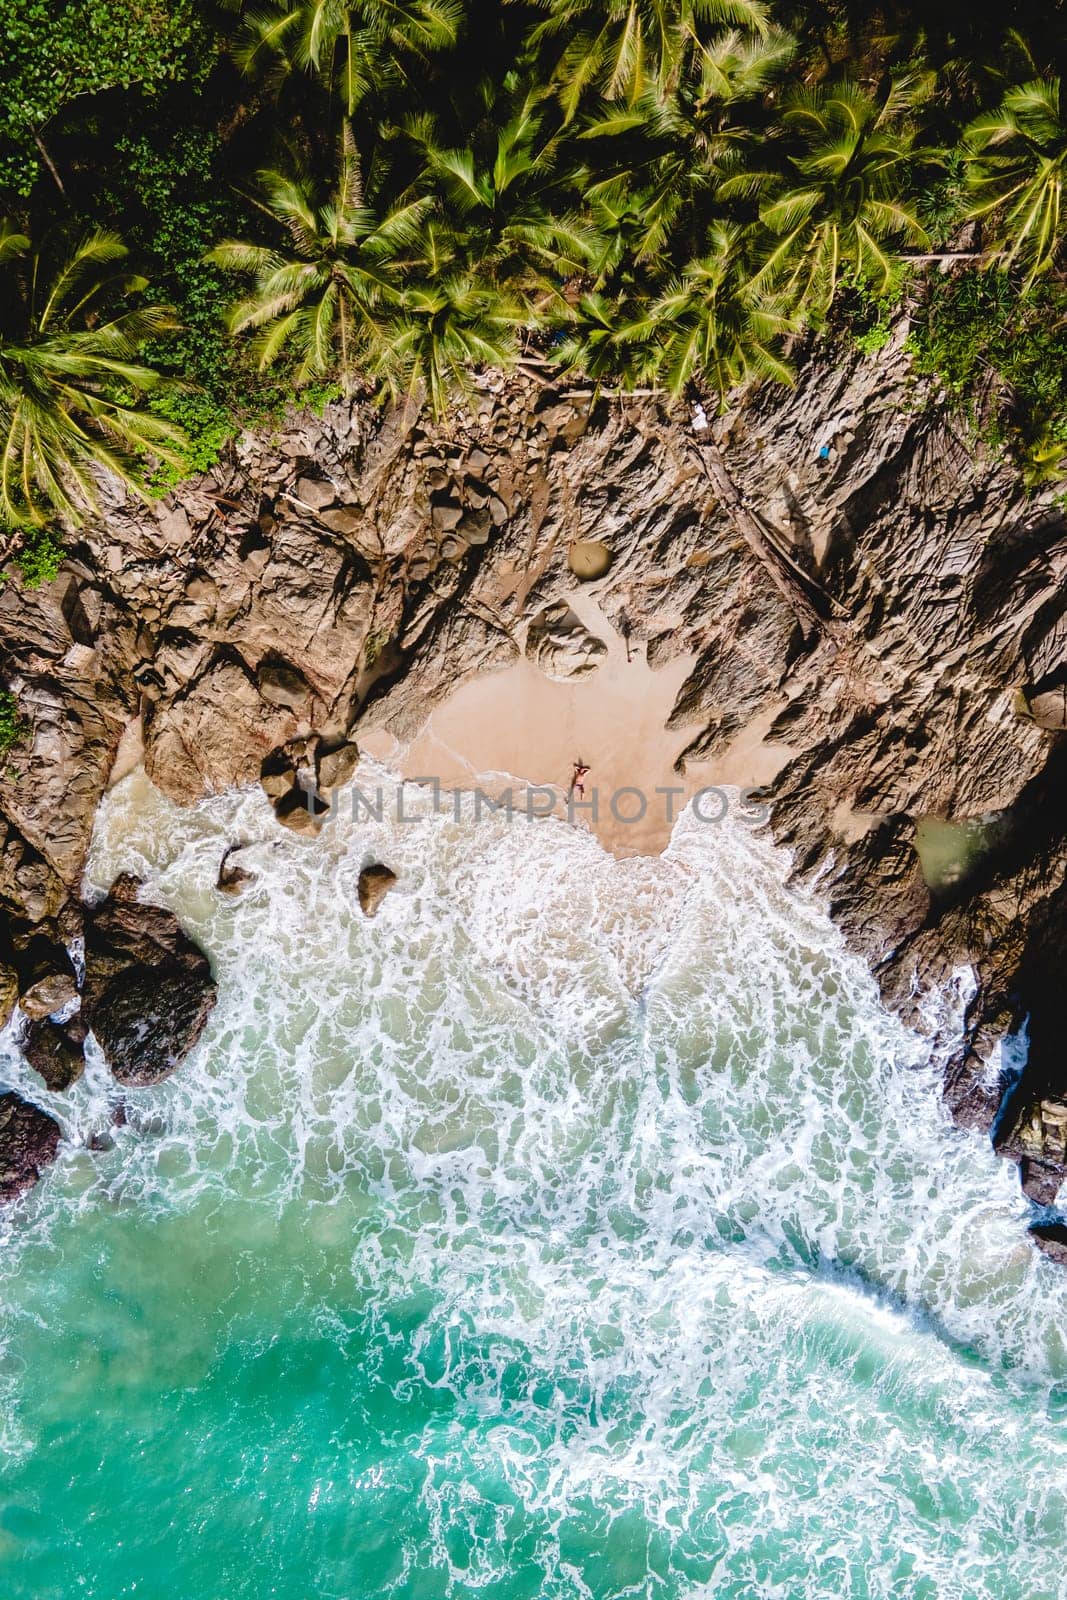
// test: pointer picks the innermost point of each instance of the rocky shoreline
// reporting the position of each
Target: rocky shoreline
(347, 574)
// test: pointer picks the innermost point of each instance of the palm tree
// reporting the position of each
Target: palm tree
(443, 329)
(624, 48)
(504, 197)
(71, 380)
(1016, 164)
(607, 342)
(718, 325)
(658, 157)
(839, 203)
(322, 298)
(352, 45)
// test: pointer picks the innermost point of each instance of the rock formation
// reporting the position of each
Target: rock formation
(148, 987)
(56, 1050)
(350, 574)
(374, 884)
(29, 1139)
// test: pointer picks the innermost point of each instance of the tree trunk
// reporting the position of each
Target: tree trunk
(49, 163)
(809, 603)
(946, 255)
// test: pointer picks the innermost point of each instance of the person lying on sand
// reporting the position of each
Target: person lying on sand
(577, 785)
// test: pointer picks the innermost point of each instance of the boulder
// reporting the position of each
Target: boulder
(47, 978)
(335, 762)
(316, 493)
(148, 988)
(301, 810)
(445, 515)
(589, 559)
(346, 520)
(375, 882)
(1051, 1237)
(1049, 709)
(29, 1139)
(277, 784)
(475, 526)
(1040, 1180)
(561, 645)
(57, 1051)
(282, 684)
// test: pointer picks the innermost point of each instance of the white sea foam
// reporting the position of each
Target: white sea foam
(629, 1164)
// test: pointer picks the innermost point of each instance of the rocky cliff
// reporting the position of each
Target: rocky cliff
(353, 570)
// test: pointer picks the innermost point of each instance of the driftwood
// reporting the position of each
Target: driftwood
(810, 603)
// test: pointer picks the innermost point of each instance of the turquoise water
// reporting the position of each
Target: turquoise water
(576, 1230)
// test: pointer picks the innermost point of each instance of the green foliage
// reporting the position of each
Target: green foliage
(322, 293)
(12, 726)
(718, 324)
(206, 428)
(55, 51)
(866, 318)
(358, 48)
(1003, 357)
(39, 556)
(841, 201)
(658, 192)
(442, 331)
(625, 48)
(71, 382)
(1017, 165)
(170, 186)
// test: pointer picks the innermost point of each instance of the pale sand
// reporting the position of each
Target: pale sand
(517, 727)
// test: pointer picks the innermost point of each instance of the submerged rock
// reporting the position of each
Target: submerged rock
(148, 988)
(232, 876)
(29, 1139)
(374, 884)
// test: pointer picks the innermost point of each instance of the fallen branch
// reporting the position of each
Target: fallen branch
(809, 602)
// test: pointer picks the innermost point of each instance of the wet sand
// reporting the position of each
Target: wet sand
(518, 727)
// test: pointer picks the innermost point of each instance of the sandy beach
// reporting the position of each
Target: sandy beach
(520, 727)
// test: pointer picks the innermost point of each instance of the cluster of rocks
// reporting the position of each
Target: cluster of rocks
(146, 995)
(353, 572)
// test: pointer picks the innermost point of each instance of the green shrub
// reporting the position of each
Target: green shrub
(12, 726)
(172, 192)
(1003, 358)
(865, 318)
(208, 428)
(39, 556)
(55, 54)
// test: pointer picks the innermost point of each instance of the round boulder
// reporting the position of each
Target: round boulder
(375, 882)
(589, 559)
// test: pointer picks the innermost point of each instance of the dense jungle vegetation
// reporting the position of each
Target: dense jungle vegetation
(209, 209)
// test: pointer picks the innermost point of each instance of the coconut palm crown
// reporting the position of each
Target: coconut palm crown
(840, 200)
(353, 46)
(71, 379)
(321, 297)
(624, 48)
(1016, 165)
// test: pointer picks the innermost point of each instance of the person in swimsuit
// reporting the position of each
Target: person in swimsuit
(577, 783)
